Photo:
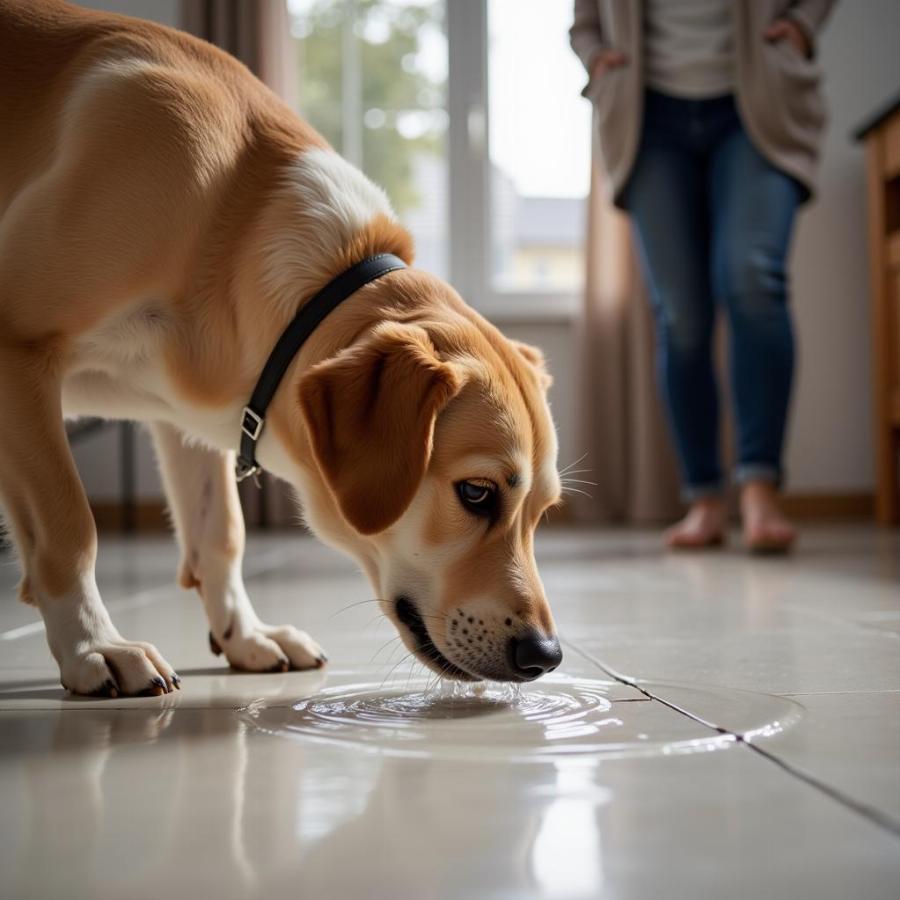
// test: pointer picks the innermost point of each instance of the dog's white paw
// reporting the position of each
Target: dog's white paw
(268, 648)
(116, 668)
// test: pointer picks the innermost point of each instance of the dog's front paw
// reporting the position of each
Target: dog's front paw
(268, 648)
(117, 668)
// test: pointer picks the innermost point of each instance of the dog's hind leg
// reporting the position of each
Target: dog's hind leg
(54, 531)
(203, 497)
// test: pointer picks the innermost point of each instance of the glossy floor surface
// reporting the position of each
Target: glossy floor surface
(721, 727)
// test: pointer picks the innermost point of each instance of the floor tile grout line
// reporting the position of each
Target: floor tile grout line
(790, 694)
(835, 619)
(872, 814)
(146, 596)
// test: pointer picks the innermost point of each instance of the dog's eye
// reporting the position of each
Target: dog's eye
(479, 497)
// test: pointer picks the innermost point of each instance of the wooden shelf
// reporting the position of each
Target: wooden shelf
(882, 140)
(892, 250)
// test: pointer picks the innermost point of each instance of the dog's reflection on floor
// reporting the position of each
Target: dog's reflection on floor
(132, 801)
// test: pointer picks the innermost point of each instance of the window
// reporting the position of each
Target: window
(372, 78)
(468, 113)
(539, 146)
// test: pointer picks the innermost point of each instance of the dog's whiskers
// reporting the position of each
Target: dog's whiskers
(393, 653)
(566, 469)
(574, 490)
(395, 667)
(435, 678)
(412, 669)
(351, 606)
(379, 617)
(386, 644)
(438, 677)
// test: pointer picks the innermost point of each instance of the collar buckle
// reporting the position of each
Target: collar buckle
(241, 473)
(252, 424)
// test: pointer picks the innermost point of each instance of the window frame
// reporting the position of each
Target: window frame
(468, 171)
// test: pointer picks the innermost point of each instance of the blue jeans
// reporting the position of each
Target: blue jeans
(713, 221)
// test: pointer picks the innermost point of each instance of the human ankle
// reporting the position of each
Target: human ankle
(708, 504)
(759, 493)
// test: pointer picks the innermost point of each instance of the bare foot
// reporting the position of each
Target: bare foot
(703, 526)
(766, 529)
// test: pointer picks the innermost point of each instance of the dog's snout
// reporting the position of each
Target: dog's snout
(533, 655)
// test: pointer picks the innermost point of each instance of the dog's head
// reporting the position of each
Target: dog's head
(436, 449)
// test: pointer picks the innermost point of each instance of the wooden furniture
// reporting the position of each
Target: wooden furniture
(881, 135)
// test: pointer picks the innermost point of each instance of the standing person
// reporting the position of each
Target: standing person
(710, 119)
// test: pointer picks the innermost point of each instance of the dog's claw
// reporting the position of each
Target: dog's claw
(281, 666)
(176, 680)
(214, 645)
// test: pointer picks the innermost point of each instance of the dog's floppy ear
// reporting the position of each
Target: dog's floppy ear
(370, 412)
(535, 357)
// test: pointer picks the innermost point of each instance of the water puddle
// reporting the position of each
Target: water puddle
(555, 717)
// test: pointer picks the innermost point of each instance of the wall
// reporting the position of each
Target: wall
(831, 435)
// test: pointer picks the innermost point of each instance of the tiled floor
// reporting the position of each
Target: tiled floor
(757, 754)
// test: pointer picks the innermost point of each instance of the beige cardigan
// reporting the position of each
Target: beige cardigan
(777, 90)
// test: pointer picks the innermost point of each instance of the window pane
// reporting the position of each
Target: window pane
(539, 147)
(372, 79)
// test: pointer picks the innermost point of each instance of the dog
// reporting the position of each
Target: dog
(163, 218)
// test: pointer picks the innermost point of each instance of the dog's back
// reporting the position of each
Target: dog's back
(44, 47)
(121, 130)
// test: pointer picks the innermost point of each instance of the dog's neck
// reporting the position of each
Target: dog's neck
(289, 222)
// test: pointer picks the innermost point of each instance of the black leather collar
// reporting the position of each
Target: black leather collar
(253, 418)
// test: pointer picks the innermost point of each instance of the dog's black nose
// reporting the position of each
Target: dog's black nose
(532, 656)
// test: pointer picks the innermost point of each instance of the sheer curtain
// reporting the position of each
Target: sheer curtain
(628, 451)
(257, 32)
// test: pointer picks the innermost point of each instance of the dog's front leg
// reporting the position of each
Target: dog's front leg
(55, 535)
(203, 496)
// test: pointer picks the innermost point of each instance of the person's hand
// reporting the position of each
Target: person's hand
(606, 60)
(786, 29)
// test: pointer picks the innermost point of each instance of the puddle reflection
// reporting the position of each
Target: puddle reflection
(132, 803)
(140, 801)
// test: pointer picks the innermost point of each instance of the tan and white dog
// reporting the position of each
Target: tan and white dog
(162, 218)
